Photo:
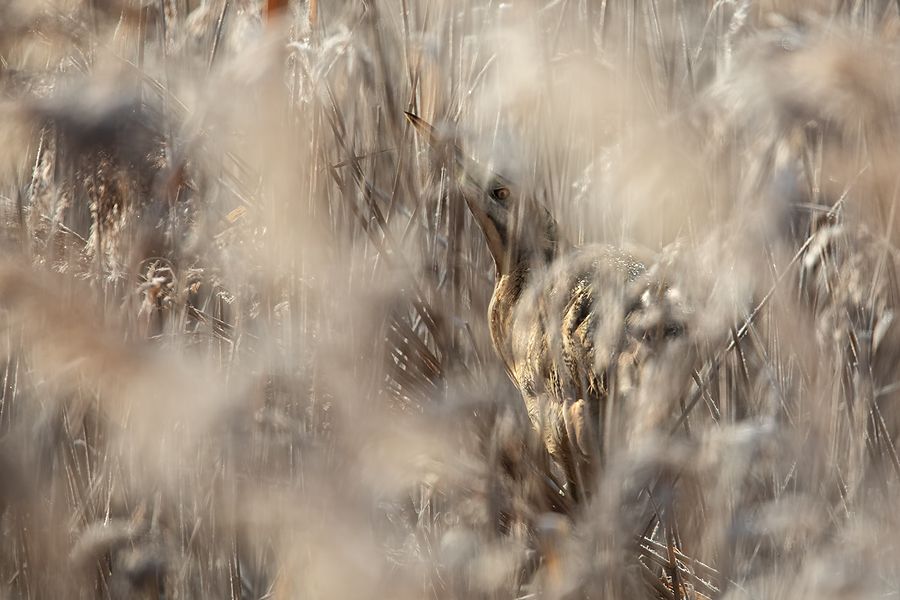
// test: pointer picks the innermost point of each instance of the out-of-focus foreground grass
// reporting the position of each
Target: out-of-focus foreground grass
(244, 339)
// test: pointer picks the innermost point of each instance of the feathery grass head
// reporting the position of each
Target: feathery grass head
(244, 347)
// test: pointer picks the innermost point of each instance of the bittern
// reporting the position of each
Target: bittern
(579, 329)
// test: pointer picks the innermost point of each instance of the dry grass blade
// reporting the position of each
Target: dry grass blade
(247, 337)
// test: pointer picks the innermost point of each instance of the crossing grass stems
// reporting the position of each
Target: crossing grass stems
(245, 348)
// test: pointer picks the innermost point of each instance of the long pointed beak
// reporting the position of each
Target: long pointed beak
(474, 181)
(429, 133)
(500, 211)
(471, 175)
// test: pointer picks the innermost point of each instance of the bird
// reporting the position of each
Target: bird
(590, 335)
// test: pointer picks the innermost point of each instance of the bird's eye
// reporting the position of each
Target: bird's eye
(500, 193)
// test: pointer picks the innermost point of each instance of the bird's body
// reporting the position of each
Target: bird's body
(584, 346)
(575, 327)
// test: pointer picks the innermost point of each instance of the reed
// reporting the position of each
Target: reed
(245, 339)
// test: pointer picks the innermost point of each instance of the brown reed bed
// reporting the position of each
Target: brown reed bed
(245, 349)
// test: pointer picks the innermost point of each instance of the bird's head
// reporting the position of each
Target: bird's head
(519, 229)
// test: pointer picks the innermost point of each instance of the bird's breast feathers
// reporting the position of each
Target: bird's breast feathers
(564, 324)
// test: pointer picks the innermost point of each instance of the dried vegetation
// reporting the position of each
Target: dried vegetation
(244, 341)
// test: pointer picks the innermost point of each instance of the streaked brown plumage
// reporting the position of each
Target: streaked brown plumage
(576, 327)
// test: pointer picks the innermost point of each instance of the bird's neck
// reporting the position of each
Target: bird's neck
(508, 291)
(532, 243)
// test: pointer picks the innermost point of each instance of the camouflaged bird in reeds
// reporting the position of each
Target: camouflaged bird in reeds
(579, 329)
